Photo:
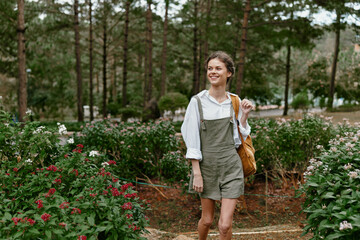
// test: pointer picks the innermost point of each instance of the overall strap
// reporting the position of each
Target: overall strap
(200, 108)
(202, 123)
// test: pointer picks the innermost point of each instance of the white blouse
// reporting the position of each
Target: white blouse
(190, 128)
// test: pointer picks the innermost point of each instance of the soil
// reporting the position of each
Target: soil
(174, 214)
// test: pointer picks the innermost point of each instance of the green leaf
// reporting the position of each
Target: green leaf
(329, 195)
(34, 231)
(91, 221)
(335, 236)
(7, 216)
(48, 234)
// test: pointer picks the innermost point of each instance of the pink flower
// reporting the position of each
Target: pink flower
(15, 169)
(30, 221)
(45, 217)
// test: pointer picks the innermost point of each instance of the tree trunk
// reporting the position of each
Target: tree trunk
(78, 62)
(195, 86)
(104, 112)
(242, 54)
(125, 52)
(22, 91)
(113, 81)
(206, 43)
(334, 63)
(164, 51)
(287, 80)
(91, 63)
(149, 45)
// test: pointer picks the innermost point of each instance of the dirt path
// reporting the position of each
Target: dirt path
(278, 232)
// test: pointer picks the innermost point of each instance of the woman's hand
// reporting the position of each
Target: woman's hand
(198, 183)
(246, 107)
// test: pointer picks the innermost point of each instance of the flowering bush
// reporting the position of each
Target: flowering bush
(29, 143)
(136, 147)
(284, 146)
(78, 196)
(332, 189)
(174, 161)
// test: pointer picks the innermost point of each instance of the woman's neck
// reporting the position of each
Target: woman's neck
(218, 93)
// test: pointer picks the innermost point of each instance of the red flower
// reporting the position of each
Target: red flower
(7, 174)
(64, 205)
(126, 186)
(115, 192)
(105, 192)
(109, 187)
(51, 192)
(58, 180)
(66, 155)
(16, 220)
(93, 195)
(111, 162)
(76, 210)
(76, 172)
(128, 216)
(132, 195)
(52, 168)
(45, 217)
(127, 206)
(39, 203)
(30, 221)
(80, 146)
(115, 179)
(62, 224)
(15, 169)
(82, 237)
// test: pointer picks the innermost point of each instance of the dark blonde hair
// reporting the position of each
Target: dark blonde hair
(225, 58)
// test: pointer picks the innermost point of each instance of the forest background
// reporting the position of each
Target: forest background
(123, 56)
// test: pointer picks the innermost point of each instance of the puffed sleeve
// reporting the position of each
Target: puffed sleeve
(244, 131)
(190, 131)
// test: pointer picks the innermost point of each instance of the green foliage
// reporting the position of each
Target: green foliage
(301, 101)
(175, 161)
(137, 147)
(130, 112)
(332, 188)
(172, 102)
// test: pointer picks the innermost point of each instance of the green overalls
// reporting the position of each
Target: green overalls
(221, 167)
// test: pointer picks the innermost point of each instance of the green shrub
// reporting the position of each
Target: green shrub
(172, 102)
(332, 189)
(301, 101)
(130, 112)
(175, 161)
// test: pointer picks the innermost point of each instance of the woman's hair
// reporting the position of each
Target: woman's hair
(225, 58)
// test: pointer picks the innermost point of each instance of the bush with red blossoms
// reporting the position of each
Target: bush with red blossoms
(72, 197)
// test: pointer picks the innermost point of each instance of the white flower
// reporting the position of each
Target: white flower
(28, 161)
(323, 206)
(345, 225)
(319, 146)
(70, 140)
(348, 166)
(94, 153)
(28, 112)
(352, 174)
(333, 149)
(104, 164)
(62, 129)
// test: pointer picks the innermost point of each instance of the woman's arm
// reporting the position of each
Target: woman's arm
(198, 180)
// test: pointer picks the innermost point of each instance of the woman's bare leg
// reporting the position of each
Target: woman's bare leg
(207, 217)
(226, 218)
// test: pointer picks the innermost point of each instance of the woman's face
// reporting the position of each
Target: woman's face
(217, 72)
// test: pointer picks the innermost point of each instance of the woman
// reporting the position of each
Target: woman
(211, 137)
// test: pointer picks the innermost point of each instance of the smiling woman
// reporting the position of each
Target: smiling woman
(211, 137)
